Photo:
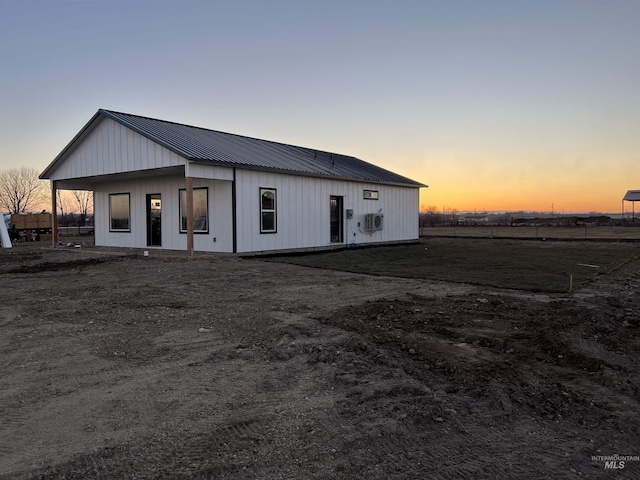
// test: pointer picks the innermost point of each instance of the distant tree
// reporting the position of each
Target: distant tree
(85, 203)
(21, 189)
(452, 215)
(429, 214)
(505, 219)
(61, 203)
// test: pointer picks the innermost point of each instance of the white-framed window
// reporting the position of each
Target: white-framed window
(119, 212)
(268, 217)
(371, 194)
(200, 210)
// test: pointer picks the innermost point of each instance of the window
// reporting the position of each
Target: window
(371, 195)
(200, 210)
(119, 212)
(268, 210)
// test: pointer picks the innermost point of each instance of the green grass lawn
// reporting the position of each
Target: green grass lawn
(526, 265)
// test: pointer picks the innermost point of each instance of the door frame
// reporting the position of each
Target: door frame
(154, 234)
(338, 224)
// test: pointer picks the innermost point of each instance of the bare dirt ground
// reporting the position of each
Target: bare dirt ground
(132, 367)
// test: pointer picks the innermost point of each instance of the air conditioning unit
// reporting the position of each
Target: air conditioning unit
(374, 222)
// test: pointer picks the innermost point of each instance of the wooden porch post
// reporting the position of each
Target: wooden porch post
(189, 181)
(54, 213)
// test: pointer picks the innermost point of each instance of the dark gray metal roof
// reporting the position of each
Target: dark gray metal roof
(632, 196)
(203, 145)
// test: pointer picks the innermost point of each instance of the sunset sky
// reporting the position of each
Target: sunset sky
(496, 105)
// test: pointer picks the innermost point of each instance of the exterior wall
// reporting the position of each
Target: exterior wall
(303, 216)
(219, 209)
(202, 170)
(303, 219)
(113, 148)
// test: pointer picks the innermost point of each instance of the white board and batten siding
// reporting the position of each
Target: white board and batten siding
(111, 148)
(219, 213)
(303, 212)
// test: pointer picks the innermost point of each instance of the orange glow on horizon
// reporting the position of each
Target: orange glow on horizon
(537, 182)
(511, 202)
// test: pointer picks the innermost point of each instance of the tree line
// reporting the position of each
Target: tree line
(22, 191)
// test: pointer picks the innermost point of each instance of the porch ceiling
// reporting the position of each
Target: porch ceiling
(88, 183)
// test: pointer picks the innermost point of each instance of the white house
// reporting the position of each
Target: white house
(165, 185)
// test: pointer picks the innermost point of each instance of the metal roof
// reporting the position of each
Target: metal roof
(210, 146)
(632, 196)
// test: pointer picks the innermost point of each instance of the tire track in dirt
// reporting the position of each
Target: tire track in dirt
(246, 419)
(17, 353)
(198, 442)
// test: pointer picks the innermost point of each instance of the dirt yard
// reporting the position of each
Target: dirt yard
(120, 366)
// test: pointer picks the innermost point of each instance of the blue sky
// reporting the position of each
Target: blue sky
(493, 104)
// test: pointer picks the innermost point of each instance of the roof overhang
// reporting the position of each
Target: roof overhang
(89, 183)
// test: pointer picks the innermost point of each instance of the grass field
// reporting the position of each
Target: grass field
(519, 264)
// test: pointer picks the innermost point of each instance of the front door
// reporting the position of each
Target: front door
(336, 218)
(154, 217)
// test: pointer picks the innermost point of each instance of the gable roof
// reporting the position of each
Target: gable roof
(210, 146)
(632, 196)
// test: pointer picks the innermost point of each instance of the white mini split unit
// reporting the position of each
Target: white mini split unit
(374, 222)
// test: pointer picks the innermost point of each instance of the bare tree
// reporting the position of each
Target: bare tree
(85, 203)
(61, 203)
(453, 215)
(21, 189)
(429, 213)
(64, 208)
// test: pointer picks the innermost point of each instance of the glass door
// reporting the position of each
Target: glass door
(154, 217)
(336, 218)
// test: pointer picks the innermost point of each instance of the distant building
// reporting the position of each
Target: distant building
(632, 196)
(474, 218)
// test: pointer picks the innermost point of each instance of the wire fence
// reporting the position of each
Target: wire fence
(629, 233)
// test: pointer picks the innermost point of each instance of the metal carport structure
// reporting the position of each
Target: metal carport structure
(632, 196)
